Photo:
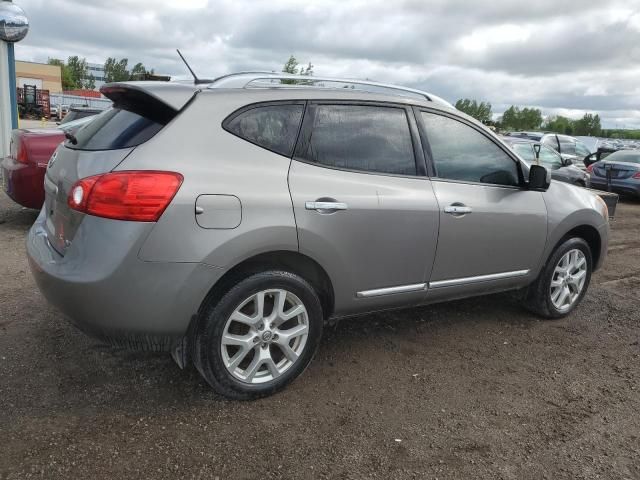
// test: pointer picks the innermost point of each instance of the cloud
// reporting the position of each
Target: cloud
(572, 56)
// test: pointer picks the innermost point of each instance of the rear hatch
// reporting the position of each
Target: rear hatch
(140, 110)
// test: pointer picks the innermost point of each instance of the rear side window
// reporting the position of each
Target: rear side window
(462, 153)
(360, 137)
(114, 129)
(274, 127)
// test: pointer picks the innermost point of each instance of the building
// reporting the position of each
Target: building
(97, 70)
(42, 75)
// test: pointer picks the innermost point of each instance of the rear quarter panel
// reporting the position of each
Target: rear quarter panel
(215, 162)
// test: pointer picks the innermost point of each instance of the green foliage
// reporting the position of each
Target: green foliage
(116, 70)
(515, 118)
(480, 111)
(293, 67)
(68, 82)
(79, 71)
(138, 72)
(559, 124)
(588, 125)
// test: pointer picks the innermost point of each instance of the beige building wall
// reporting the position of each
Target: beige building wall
(47, 77)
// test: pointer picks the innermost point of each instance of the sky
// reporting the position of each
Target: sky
(564, 57)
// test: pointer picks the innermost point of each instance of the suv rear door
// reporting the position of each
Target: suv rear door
(492, 231)
(364, 208)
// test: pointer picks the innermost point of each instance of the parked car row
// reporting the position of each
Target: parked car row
(562, 169)
(568, 147)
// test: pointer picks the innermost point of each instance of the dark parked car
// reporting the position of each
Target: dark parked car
(76, 113)
(623, 168)
(29, 152)
(561, 169)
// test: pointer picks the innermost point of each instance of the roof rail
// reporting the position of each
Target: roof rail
(268, 79)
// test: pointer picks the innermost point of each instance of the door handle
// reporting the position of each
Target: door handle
(325, 207)
(458, 209)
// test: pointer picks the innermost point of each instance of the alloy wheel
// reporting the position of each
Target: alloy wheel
(568, 279)
(265, 336)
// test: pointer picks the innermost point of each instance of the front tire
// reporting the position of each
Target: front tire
(259, 336)
(563, 281)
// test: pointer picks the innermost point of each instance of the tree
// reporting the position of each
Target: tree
(526, 119)
(588, 125)
(116, 70)
(138, 72)
(68, 81)
(90, 82)
(480, 111)
(559, 124)
(293, 67)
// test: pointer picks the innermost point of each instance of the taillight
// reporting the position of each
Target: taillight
(139, 196)
(637, 176)
(590, 168)
(21, 155)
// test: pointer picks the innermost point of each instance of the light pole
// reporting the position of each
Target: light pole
(14, 26)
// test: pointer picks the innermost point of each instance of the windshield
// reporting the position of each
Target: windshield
(629, 156)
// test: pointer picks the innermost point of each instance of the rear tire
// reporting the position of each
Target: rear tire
(259, 336)
(563, 281)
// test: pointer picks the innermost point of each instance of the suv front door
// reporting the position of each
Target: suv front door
(492, 231)
(364, 208)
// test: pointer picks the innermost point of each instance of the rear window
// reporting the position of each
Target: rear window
(114, 129)
(274, 127)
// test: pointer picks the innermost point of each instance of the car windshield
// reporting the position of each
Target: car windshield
(628, 156)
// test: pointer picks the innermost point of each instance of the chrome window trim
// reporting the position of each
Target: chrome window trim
(477, 279)
(415, 287)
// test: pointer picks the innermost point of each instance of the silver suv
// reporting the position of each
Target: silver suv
(227, 222)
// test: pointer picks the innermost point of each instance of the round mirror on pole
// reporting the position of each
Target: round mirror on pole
(14, 24)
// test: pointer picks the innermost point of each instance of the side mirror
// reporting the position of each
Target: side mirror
(539, 178)
(566, 161)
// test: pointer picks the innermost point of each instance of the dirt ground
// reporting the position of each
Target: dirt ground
(471, 389)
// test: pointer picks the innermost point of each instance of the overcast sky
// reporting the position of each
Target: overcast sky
(565, 57)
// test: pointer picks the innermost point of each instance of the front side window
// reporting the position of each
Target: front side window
(460, 152)
(525, 151)
(360, 137)
(550, 158)
(274, 127)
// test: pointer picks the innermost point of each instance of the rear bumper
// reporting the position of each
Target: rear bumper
(628, 187)
(23, 182)
(107, 292)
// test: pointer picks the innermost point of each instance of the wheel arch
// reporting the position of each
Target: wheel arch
(287, 260)
(589, 234)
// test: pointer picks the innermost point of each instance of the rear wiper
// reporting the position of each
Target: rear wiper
(71, 137)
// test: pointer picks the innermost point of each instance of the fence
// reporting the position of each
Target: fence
(77, 101)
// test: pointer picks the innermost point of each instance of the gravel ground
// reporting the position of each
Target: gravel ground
(470, 389)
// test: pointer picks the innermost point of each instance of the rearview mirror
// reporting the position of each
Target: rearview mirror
(539, 178)
(536, 149)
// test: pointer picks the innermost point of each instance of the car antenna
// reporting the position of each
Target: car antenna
(196, 80)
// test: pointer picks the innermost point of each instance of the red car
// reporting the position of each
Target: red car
(23, 170)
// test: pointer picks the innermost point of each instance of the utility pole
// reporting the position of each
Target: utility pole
(14, 26)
